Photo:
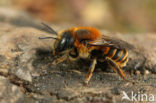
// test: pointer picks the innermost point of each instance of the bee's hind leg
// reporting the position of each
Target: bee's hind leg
(117, 69)
(89, 74)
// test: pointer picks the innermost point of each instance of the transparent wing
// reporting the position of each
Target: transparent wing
(111, 41)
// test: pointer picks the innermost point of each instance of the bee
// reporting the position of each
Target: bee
(89, 43)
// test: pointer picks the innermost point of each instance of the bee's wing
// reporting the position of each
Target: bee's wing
(111, 41)
(49, 29)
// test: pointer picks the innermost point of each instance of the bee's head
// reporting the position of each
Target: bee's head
(64, 42)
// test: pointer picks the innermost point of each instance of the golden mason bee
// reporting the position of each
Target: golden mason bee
(89, 43)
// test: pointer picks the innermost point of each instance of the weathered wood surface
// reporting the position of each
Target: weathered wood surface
(27, 74)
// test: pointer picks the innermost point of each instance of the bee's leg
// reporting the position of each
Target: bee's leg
(117, 69)
(53, 50)
(89, 74)
(60, 59)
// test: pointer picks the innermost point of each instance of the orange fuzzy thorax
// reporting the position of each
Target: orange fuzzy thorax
(93, 35)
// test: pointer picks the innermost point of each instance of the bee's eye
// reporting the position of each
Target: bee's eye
(66, 42)
(61, 45)
(63, 41)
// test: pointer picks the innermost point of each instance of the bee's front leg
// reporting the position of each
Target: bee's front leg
(60, 59)
(91, 69)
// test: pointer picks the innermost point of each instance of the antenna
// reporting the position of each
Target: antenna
(48, 37)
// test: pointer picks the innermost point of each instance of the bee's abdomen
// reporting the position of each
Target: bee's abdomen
(120, 56)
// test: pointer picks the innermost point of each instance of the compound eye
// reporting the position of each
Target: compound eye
(63, 41)
(60, 45)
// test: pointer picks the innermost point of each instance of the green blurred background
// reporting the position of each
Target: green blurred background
(113, 15)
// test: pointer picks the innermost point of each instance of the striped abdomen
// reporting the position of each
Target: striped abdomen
(120, 56)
